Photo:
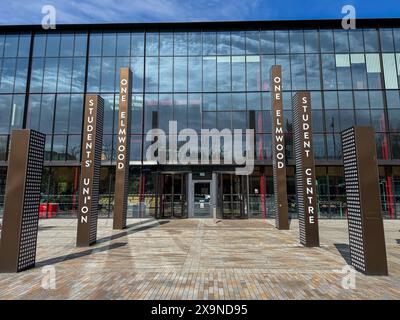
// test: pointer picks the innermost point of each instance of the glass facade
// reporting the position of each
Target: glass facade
(202, 78)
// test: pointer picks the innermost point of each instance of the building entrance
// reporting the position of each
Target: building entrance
(202, 199)
(171, 197)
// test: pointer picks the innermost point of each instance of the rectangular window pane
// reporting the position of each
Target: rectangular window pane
(387, 43)
(107, 74)
(252, 42)
(356, 41)
(37, 74)
(298, 72)
(123, 44)
(311, 41)
(313, 72)
(194, 43)
(238, 73)
(238, 43)
(223, 73)
(152, 74)
(281, 42)
(389, 70)
(166, 72)
(329, 71)
(296, 41)
(326, 39)
(137, 44)
(267, 42)
(209, 73)
(180, 74)
(166, 44)
(209, 43)
(195, 75)
(67, 45)
(371, 40)
(253, 73)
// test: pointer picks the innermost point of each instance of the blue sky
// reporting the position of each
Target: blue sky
(14, 12)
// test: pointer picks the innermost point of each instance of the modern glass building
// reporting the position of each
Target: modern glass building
(203, 75)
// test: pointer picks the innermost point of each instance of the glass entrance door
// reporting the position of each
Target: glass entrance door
(233, 196)
(202, 199)
(172, 198)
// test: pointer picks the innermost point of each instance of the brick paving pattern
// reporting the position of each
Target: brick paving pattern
(199, 259)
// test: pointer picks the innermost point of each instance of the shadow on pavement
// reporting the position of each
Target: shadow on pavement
(344, 250)
(79, 254)
(127, 231)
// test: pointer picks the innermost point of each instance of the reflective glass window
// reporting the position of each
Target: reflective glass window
(392, 98)
(376, 99)
(296, 41)
(67, 45)
(195, 45)
(223, 43)
(311, 41)
(252, 42)
(313, 72)
(209, 43)
(166, 44)
(371, 40)
(137, 44)
(194, 74)
(108, 74)
(329, 71)
(11, 45)
(281, 42)
(326, 40)
(387, 43)
(209, 73)
(53, 45)
(95, 44)
(109, 44)
(238, 42)
(123, 44)
(298, 72)
(152, 43)
(267, 43)
(356, 39)
(180, 74)
(166, 74)
(238, 73)
(180, 44)
(224, 73)
(24, 45)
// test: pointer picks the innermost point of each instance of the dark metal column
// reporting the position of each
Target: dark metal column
(90, 171)
(305, 170)
(123, 153)
(22, 197)
(366, 233)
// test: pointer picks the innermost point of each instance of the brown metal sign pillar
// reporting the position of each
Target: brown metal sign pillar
(90, 171)
(22, 197)
(278, 151)
(305, 170)
(366, 233)
(123, 146)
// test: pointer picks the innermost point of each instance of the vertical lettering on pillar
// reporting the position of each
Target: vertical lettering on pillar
(305, 170)
(90, 170)
(278, 150)
(123, 144)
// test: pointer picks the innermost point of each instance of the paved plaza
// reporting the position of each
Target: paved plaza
(198, 259)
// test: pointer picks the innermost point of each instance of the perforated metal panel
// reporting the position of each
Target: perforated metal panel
(366, 235)
(21, 216)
